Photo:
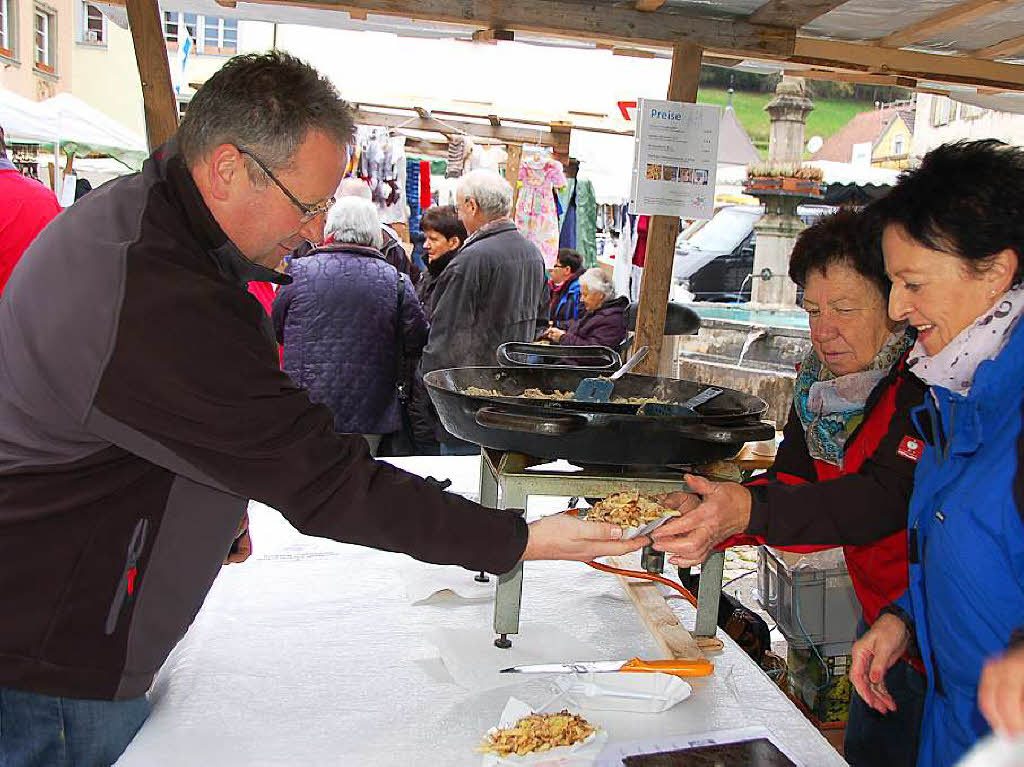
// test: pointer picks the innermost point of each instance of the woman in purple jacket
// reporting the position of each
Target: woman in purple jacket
(604, 323)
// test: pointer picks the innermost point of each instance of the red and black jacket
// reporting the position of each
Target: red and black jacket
(805, 505)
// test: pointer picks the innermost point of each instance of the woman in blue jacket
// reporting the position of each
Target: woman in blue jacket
(953, 242)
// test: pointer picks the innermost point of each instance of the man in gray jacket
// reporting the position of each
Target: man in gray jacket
(495, 290)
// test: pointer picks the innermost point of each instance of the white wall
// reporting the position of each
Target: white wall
(965, 123)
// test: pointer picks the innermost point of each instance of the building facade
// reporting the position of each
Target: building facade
(36, 46)
(941, 120)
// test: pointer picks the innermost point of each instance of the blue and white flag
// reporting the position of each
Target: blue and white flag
(185, 44)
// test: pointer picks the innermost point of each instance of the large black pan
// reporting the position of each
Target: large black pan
(593, 433)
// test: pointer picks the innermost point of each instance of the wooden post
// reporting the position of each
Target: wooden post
(561, 132)
(151, 54)
(661, 239)
(515, 157)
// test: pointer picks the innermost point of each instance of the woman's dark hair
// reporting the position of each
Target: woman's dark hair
(443, 219)
(966, 199)
(570, 258)
(846, 237)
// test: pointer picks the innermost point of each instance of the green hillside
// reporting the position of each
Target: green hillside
(826, 119)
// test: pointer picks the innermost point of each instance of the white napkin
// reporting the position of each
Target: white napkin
(474, 662)
(424, 581)
(579, 754)
(637, 693)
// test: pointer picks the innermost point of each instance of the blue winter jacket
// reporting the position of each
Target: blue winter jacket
(337, 321)
(966, 544)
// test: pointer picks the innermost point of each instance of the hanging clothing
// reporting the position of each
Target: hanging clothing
(535, 209)
(566, 198)
(457, 150)
(487, 157)
(643, 224)
(586, 221)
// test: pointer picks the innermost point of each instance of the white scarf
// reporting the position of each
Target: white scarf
(954, 366)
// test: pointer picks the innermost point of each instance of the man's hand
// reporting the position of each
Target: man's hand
(562, 536)
(681, 502)
(1001, 692)
(873, 655)
(242, 547)
(553, 334)
(723, 511)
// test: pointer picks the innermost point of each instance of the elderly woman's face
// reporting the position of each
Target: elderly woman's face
(847, 316)
(592, 299)
(936, 292)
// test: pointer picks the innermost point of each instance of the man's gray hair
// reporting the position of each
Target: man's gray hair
(597, 280)
(354, 220)
(265, 103)
(492, 193)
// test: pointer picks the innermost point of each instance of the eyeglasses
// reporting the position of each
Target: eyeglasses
(309, 212)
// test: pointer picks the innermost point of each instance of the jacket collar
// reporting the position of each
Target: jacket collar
(347, 248)
(438, 265)
(489, 229)
(229, 261)
(613, 303)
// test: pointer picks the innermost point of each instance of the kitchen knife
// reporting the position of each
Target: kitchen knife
(681, 668)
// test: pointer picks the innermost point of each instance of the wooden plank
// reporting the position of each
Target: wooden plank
(951, 18)
(636, 53)
(862, 78)
(159, 106)
(647, 6)
(579, 21)
(1002, 49)
(493, 35)
(661, 239)
(792, 13)
(921, 66)
(674, 640)
(502, 132)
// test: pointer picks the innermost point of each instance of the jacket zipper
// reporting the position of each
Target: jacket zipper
(126, 584)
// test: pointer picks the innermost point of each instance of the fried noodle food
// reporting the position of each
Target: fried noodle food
(538, 732)
(629, 510)
(558, 394)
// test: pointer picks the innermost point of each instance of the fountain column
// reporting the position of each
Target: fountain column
(778, 228)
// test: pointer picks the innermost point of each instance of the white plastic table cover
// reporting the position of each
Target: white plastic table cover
(310, 654)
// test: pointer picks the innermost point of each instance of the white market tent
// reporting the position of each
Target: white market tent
(22, 119)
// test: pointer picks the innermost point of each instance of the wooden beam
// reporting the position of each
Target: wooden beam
(503, 133)
(649, 5)
(1001, 50)
(862, 78)
(951, 18)
(636, 53)
(158, 103)
(860, 57)
(605, 22)
(227, 3)
(661, 239)
(355, 15)
(792, 13)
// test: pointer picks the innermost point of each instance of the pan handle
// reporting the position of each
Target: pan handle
(710, 432)
(556, 425)
(604, 358)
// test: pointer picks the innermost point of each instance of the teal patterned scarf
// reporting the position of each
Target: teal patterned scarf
(831, 408)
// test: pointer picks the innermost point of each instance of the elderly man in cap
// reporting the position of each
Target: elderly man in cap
(141, 405)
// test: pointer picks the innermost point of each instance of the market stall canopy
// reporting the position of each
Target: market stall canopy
(83, 130)
(22, 120)
(872, 41)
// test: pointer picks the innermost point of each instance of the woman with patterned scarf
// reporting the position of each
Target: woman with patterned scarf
(845, 469)
(953, 243)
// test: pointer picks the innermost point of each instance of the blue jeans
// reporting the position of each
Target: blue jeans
(889, 740)
(43, 731)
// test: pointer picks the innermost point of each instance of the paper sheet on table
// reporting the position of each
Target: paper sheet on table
(474, 662)
(614, 753)
(423, 581)
(577, 755)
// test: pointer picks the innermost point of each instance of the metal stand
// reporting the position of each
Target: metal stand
(505, 483)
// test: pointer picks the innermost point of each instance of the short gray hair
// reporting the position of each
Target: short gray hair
(354, 220)
(266, 103)
(492, 193)
(597, 280)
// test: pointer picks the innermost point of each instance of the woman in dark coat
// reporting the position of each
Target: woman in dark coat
(604, 323)
(340, 323)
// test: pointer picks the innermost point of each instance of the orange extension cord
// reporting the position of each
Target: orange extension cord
(647, 577)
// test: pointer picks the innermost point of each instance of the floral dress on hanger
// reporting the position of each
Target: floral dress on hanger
(535, 214)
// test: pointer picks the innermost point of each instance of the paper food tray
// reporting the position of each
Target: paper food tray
(579, 754)
(637, 693)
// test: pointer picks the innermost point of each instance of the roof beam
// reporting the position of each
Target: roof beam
(501, 132)
(792, 13)
(579, 21)
(860, 78)
(921, 66)
(956, 16)
(1001, 50)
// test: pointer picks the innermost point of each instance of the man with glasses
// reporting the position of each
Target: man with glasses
(141, 405)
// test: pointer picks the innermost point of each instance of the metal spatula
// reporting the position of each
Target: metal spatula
(600, 389)
(688, 408)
